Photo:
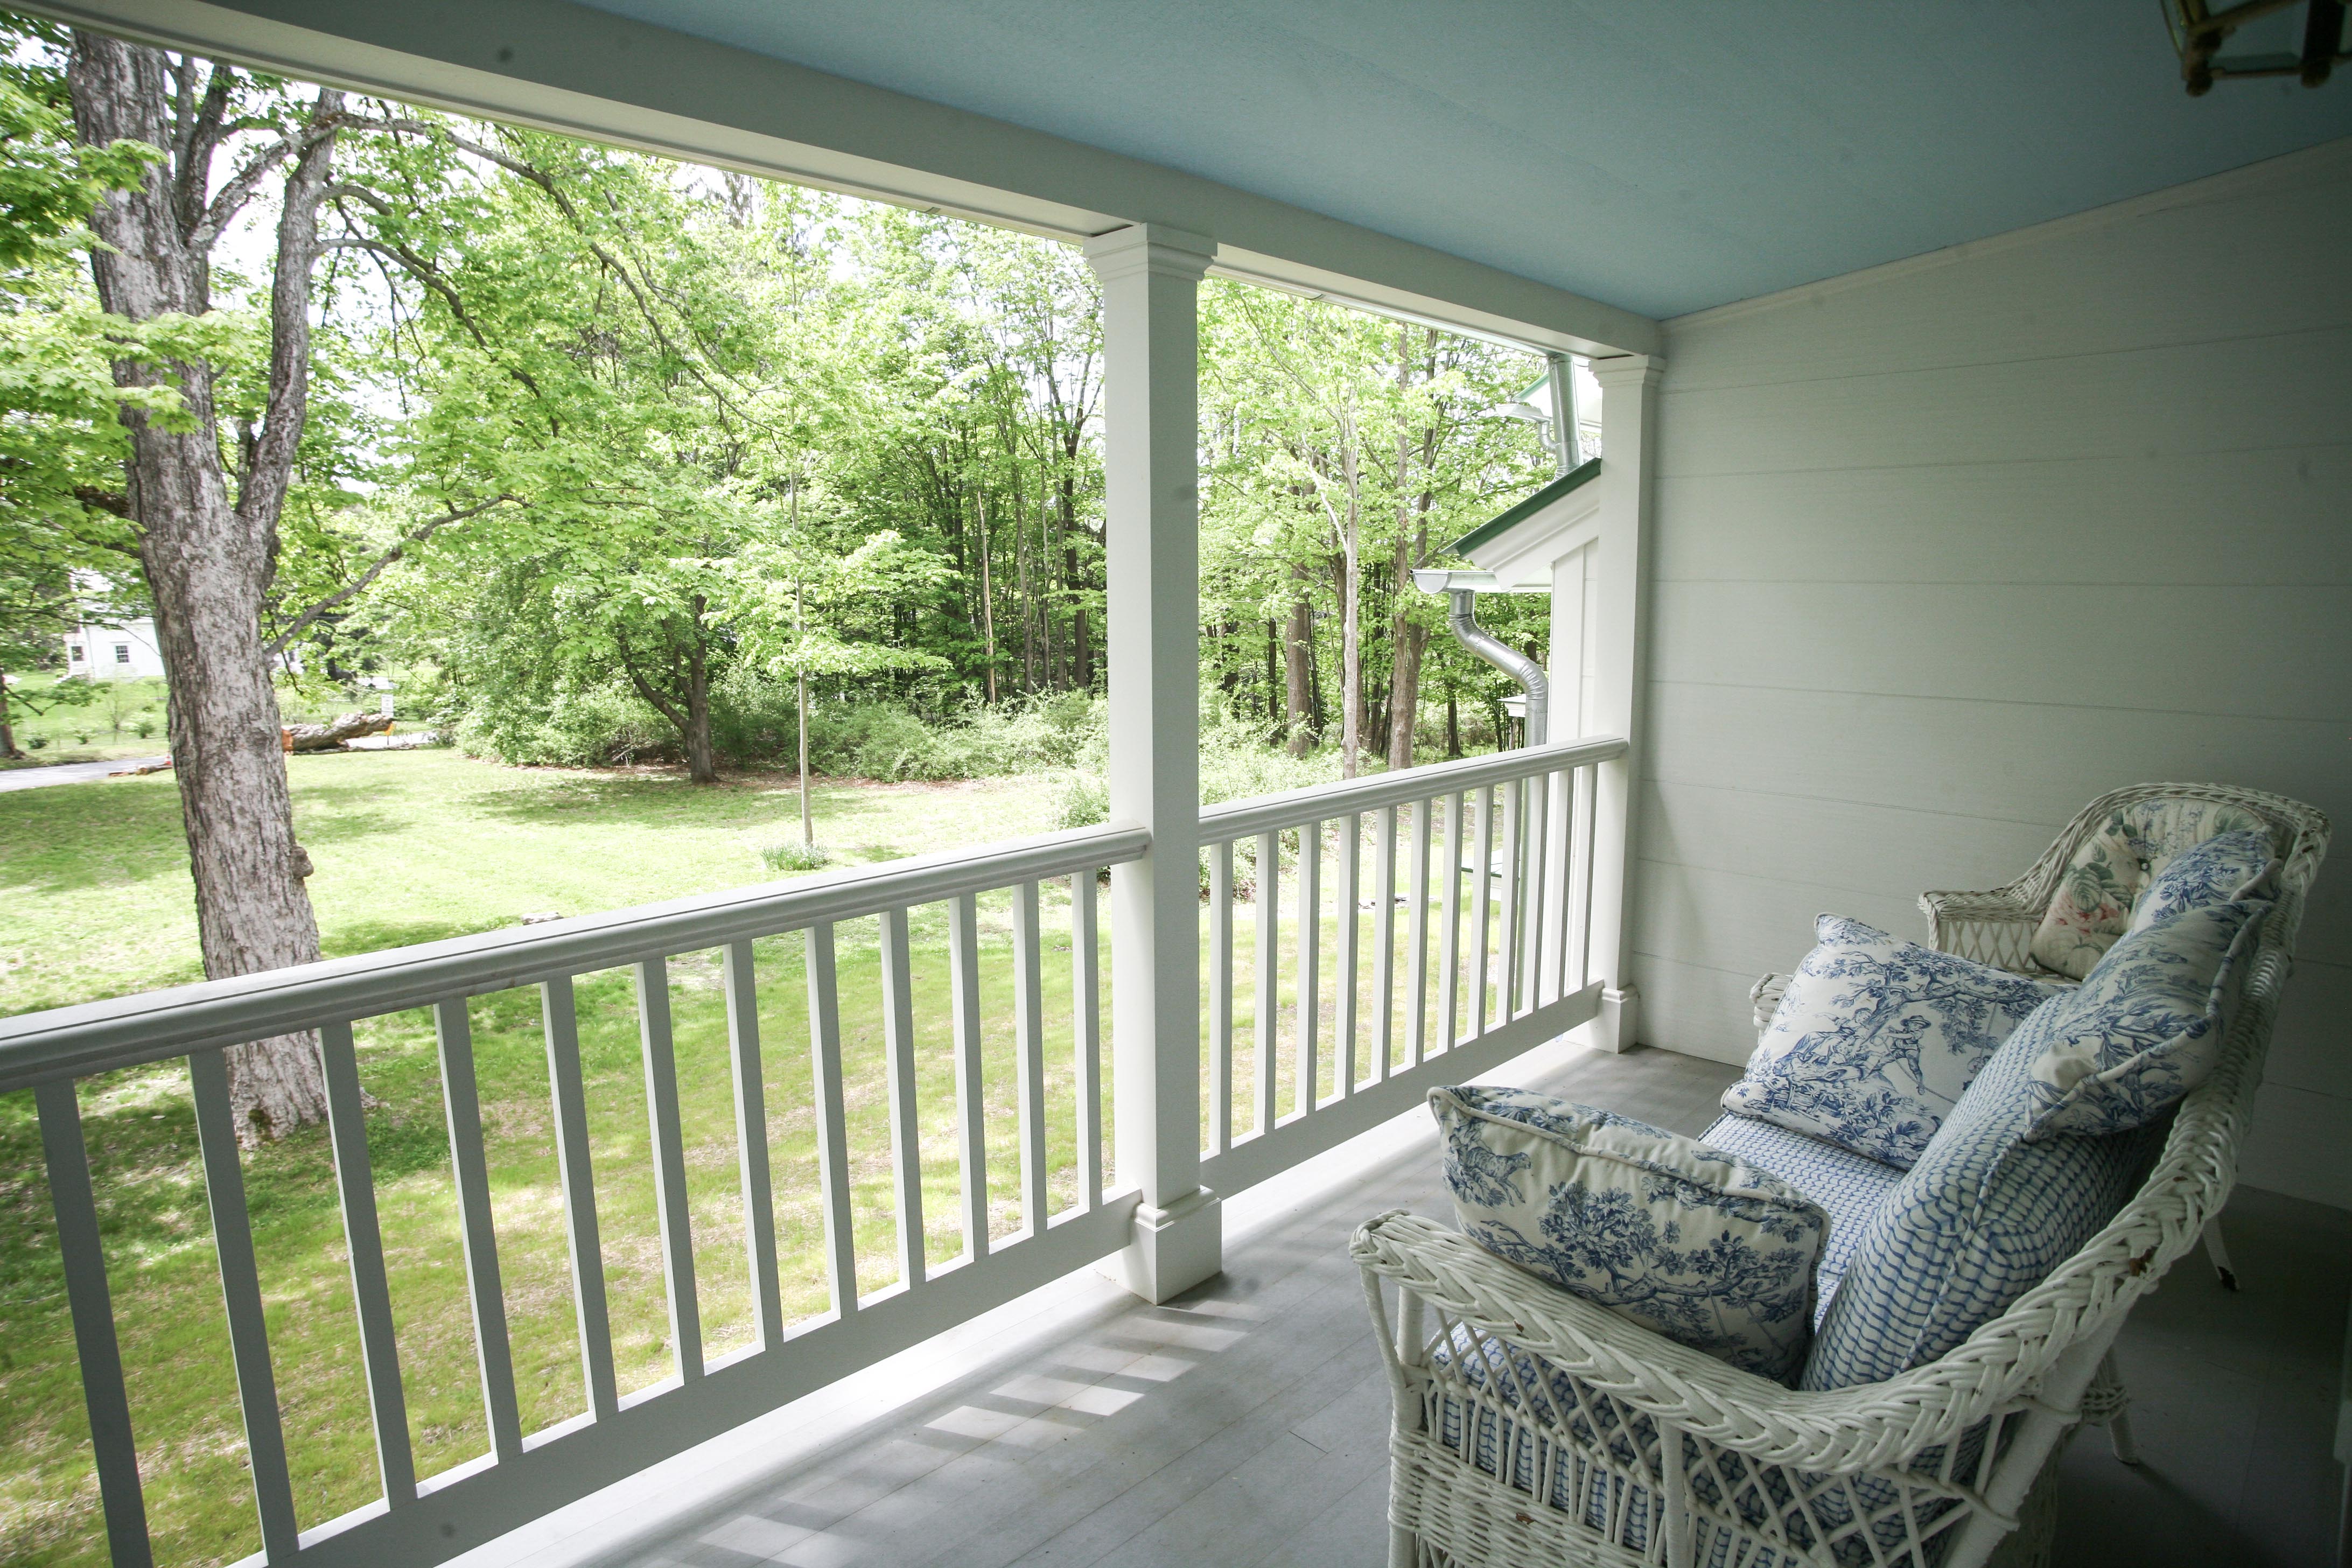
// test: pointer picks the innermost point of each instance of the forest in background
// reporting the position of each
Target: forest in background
(604, 453)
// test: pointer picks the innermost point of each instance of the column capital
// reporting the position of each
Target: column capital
(1629, 370)
(1150, 247)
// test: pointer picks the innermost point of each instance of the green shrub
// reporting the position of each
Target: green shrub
(144, 726)
(595, 726)
(791, 855)
(1083, 800)
(887, 741)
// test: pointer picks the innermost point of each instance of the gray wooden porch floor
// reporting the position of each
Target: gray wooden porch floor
(1245, 1424)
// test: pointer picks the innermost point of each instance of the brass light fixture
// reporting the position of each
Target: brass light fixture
(2199, 32)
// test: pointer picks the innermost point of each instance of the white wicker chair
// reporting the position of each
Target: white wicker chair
(1946, 1464)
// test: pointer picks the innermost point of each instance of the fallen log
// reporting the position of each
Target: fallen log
(331, 736)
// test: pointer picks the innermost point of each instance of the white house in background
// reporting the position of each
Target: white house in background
(122, 652)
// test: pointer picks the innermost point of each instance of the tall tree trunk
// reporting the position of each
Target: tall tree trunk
(208, 564)
(1082, 653)
(1273, 678)
(7, 729)
(1404, 687)
(1351, 649)
(808, 814)
(1298, 676)
(1453, 725)
(1028, 610)
(701, 763)
(987, 600)
(1407, 637)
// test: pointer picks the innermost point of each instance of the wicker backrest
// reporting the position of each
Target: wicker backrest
(2192, 1176)
(2301, 830)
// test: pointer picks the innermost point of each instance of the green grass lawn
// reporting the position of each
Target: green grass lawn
(410, 847)
(122, 718)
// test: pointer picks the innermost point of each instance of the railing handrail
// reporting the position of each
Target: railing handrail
(129, 1031)
(1319, 803)
(153, 1025)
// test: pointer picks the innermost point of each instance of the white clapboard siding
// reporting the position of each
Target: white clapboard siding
(1994, 762)
(2224, 396)
(2125, 520)
(1945, 549)
(1929, 640)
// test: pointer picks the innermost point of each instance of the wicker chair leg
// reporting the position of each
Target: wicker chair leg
(2105, 1404)
(2218, 1253)
(2119, 1433)
(1404, 1548)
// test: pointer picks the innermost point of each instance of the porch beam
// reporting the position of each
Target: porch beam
(1150, 281)
(567, 68)
(1629, 401)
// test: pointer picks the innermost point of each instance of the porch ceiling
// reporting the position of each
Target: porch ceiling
(1658, 158)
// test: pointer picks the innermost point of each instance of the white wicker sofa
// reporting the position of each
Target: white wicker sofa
(1500, 1457)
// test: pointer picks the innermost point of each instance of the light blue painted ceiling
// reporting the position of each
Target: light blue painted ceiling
(1659, 157)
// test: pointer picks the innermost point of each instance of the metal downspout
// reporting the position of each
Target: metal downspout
(1464, 621)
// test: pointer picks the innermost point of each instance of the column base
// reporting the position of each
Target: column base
(1617, 1028)
(1174, 1248)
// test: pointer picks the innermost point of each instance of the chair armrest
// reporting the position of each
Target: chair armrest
(1765, 996)
(1995, 928)
(1838, 1430)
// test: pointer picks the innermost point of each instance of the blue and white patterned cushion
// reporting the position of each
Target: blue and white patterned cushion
(1876, 1039)
(1982, 1220)
(1848, 1187)
(1692, 1243)
(2222, 869)
(2148, 1025)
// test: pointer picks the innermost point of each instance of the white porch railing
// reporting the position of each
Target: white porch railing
(1524, 819)
(1490, 859)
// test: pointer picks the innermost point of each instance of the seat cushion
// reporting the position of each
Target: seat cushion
(1980, 1219)
(1848, 1187)
(2146, 1026)
(1875, 1039)
(2092, 906)
(1679, 1237)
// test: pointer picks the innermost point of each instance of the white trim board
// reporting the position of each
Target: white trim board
(564, 67)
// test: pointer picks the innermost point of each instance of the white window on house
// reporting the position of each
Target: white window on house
(122, 653)
(73, 653)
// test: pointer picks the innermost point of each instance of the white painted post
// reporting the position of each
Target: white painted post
(1151, 279)
(1628, 414)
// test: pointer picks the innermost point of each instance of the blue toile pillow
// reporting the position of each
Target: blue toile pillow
(1875, 1039)
(2226, 867)
(2147, 1026)
(1699, 1245)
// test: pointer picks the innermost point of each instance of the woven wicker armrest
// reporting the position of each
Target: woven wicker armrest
(1995, 927)
(1841, 1430)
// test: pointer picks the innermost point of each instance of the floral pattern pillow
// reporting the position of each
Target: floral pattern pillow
(1695, 1243)
(2146, 1026)
(1875, 1039)
(2228, 866)
(2092, 904)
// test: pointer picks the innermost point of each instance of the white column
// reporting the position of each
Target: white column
(1150, 278)
(1569, 722)
(1628, 416)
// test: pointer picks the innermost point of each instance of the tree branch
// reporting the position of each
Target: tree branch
(659, 703)
(426, 273)
(377, 568)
